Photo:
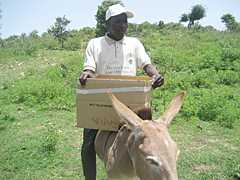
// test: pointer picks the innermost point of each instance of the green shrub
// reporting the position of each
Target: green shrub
(230, 54)
(220, 105)
(51, 90)
(228, 57)
(22, 46)
(236, 171)
(49, 139)
(48, 42)
(227, 116)
(204, 79)
(209, 108)
(211, 59)
(228, 77)
(5, 119)
(191, 104)
(29, 48)
(73, 44)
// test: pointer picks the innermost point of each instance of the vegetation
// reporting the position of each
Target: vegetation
(197, 13)
(230, 22)
(58, 30)
(37, 100)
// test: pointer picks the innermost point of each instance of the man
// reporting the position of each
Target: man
(112, 54)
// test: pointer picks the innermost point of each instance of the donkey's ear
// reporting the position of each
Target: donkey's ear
(173, 108)
(126, 115)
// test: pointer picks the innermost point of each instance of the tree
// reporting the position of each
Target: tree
(101, 28)
(184, 18)
(58, 30)
(161, 24)
(230, 22)
(23, 36)
(34, 34)
(197, 13)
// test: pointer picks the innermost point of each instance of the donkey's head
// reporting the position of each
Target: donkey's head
(152, 150)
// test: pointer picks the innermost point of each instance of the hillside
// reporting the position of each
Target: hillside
(38, 136)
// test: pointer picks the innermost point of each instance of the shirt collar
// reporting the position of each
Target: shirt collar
(111, 41)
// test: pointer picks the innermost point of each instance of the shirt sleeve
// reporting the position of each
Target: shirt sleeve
(142, 57)
(89, 62)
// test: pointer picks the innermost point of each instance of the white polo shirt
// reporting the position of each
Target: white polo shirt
(107, 56)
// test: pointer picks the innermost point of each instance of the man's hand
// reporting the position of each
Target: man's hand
(157, 81)
(84, 75)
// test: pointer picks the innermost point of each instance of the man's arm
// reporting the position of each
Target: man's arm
(89, 65)
(144, 62)
(158, 79)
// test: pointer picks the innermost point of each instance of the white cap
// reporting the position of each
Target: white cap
(117, 9)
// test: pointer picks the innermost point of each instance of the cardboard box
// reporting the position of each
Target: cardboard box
(94, 108)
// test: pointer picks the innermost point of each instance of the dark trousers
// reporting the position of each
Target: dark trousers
(88, 154)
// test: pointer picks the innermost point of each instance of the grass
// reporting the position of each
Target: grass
(207, 150)
(40, 145)
(38, 136)
(27, 152)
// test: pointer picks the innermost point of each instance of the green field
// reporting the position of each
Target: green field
(38, 136)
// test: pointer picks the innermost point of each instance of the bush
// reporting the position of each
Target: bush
(204, 79)
(48, 42)
(22, 46)
(5, 119)
(228, 57)
(51, 90)
(228, 115)
(191, 104)
(209, 107)
(228, 77)
(210, 59)
(230, 54)
(73, 44)
(49, 139)
(220, 105)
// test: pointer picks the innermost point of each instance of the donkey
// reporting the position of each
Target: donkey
(140, 150)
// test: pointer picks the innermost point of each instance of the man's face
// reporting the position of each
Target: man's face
(118, 25)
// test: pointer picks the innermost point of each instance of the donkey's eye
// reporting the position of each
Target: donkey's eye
(139, 137)
(153, 160)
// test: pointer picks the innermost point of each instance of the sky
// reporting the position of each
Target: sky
(24, 16)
